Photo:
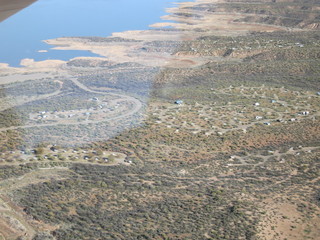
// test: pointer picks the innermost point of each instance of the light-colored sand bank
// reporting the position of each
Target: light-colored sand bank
(184, 27)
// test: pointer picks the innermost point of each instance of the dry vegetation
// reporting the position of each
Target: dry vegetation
(238, 159)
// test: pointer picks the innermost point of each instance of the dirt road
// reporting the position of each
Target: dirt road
(137, 105)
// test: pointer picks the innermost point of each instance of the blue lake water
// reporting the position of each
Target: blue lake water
(21, 35)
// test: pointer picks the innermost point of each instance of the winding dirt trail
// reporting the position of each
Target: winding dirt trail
(15, 225)
(137, 105)
(32, 99)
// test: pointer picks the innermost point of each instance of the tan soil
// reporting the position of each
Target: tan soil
(284, 221)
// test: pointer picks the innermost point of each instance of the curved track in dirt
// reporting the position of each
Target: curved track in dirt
(137, 105)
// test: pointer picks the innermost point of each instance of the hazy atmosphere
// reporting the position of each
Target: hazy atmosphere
(159, 120)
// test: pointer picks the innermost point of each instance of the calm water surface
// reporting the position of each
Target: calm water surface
(21, 35)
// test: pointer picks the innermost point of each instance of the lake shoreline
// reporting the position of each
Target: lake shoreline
(38, 17)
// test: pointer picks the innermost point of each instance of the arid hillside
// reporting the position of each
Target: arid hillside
(203, 127)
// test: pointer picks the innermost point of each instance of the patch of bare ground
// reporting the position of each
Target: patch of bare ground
(184, 28)
(200, 168)
(14, 222)
(283, 220)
